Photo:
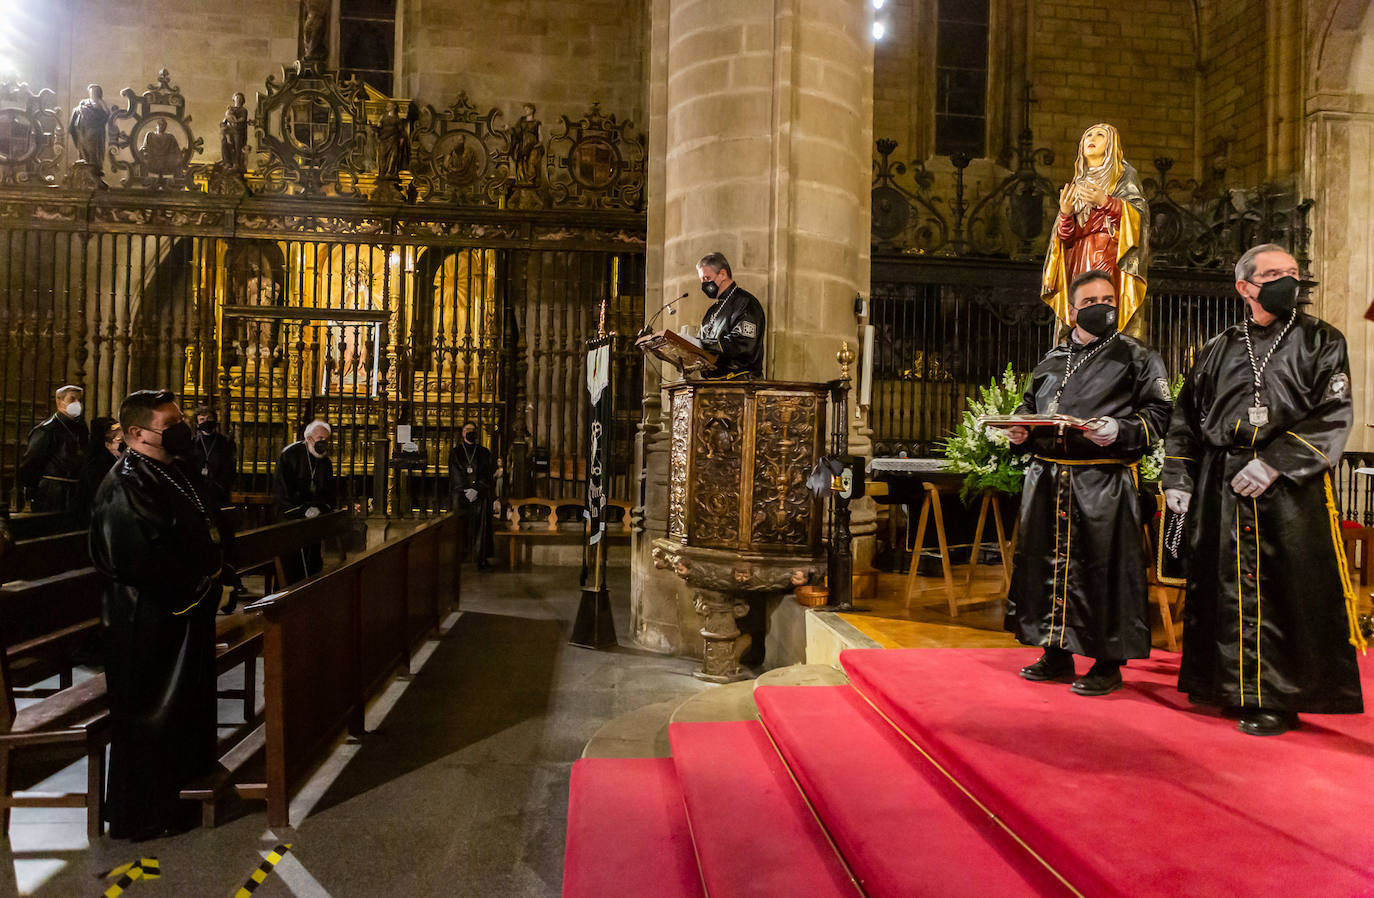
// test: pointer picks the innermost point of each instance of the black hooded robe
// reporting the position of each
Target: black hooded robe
(162, 555)
(1078, 581)
(732, 328)
(50, 470)
(477, 473)
(303, 482)
(1269, 618)
(215, 456)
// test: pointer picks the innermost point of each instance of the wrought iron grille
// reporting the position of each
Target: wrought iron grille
(278, 330)
(460, 280)
(946, 327)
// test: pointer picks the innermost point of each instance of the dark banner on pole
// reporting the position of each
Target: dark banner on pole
(594, 627)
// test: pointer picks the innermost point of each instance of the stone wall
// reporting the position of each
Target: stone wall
(210, 50)
(1133, 65)
(1233, 88)
(1129, 64)
(559, 56)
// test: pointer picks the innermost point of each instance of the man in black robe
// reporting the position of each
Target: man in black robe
(734, 324)
(304, 488)
(1078, 584)
(158, 538)
(50, 470)
(1269, 622)
(214, 455)
(472, 487)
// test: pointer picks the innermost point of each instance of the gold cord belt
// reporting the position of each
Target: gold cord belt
(1089, 461)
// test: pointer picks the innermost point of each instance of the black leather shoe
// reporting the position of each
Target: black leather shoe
(1098, 681)
(1267, 723)
(1056, 668)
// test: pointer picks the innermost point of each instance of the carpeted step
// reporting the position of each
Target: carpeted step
(1139, 792)
(903, 827)
(755, 836)
(627, 831)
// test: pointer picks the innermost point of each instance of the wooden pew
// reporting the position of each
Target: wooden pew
(262, 549)
(331, 643)
(536, 520)
(77, 716)
(43, 620)
(33, 559)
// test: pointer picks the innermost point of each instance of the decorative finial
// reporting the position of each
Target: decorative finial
(846, 358)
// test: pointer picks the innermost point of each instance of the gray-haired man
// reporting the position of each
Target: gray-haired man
(734, 324)
(1263, 417)
(304, 486)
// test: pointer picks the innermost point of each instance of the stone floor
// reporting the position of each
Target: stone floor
(460, 790)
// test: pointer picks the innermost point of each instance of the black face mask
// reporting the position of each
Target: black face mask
(177, 438)
(1098, 320)
(710, 288)
(470, 437)
(322, 449)
(1279, 297)
(209, 426)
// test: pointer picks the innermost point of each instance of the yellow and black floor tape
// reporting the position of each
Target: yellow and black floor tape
(143, 868)
(264, 870)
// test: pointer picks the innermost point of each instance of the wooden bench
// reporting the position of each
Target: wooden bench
(48, 617)
(33, 559)
(76, 716)
(330, 644)
(538, 521)
(261, 550)
(43, 620)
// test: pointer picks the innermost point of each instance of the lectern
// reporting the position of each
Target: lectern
(675, 349)
(742, 523)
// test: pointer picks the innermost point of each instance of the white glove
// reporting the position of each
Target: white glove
(1104, 431)
(312, 512)
(1018, 434)
(1254, 478)
(496, 506)
(1177, 501)
(470, 495)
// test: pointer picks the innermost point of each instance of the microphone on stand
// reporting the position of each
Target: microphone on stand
(649, 328)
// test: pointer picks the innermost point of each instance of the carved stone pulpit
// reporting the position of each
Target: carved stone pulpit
(742, 523)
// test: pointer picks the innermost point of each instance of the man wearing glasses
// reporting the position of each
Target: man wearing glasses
(1269, 622)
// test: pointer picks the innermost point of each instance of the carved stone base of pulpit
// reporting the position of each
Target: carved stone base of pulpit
(725, 583)
(742, 523)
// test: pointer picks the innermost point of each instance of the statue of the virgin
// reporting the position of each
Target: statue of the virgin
(1102, 224)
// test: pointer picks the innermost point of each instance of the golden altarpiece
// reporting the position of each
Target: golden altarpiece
(390, 266)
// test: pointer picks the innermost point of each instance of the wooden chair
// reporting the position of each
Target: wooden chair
(1358, 541)
(1169, 596)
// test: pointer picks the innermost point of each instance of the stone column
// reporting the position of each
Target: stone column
(760, 123)
(1338, 174)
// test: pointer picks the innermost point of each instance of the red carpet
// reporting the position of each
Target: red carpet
(1139, 793)
(905, 830)
(754, 834)
(627, 831)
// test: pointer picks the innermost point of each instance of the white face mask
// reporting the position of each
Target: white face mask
(74, 408)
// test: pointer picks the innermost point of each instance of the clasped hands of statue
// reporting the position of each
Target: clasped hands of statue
(1092, 194)
(1251, 482)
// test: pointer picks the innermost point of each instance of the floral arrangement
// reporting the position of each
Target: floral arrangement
(984, 455)
(1152, 465)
